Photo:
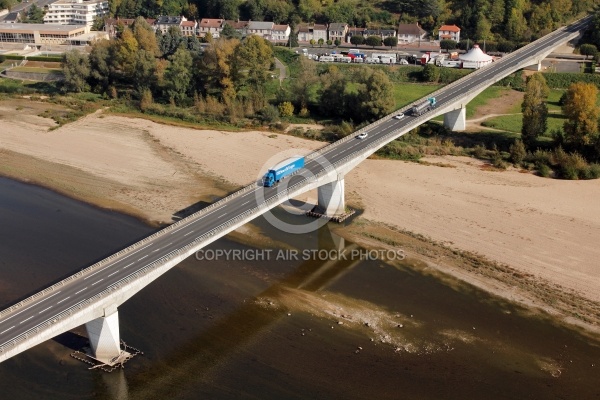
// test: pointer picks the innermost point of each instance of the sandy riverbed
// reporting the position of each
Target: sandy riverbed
(547, 228)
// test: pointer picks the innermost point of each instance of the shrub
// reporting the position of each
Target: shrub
(479, 151)
(544, 170)
(286, 109)
(517, 152)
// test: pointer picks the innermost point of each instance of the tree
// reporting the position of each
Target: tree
(179, 75)
(144, 71)
(588, 50)
(229, 32)
(34, 15)
(582, 113)
(334, 97)
(312, 42)
(102, 65)
(391, 41)
(447, 44)
(286, 109)
(321, 41)
(145, 36)
(375, 95)
(357, 40)
(214, 70)
(337, 42)
(303, 86)
(518, 152)
(125, 49)
(516, 25)
(431, 73)
(535, 110)
(76, 69)
(373, 41)
(251, 65)
(329, 42)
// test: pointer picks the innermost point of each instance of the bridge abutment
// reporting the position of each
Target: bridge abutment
(331, 200)
(104, 336)
(456, 120)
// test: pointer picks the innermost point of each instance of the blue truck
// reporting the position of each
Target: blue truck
(281, 170)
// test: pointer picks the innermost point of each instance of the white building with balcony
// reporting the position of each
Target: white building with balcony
(75, 12)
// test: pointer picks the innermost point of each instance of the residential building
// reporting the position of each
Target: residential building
(306, 33)
(281, 34)
(337, 31)
(164, 22)
(12, 18)
(263, 29)
(354, 32)
(75, 12)
(449, 32)
(210, 25)
(382, 33)
(188, 28)
(240, 26)
(409, 33)
(111, 25)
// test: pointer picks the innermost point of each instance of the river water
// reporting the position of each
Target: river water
(275, 329)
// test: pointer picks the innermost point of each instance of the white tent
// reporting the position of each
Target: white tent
(475, 58)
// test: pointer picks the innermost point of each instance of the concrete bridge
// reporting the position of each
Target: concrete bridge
(93, 295)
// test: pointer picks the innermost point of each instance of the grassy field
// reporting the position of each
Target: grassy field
(37, 70)
(406, 93)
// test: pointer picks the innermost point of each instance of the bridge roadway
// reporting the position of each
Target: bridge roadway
(46, 307)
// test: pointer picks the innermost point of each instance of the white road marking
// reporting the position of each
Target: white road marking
(129, 255)
(246, 202)
(140, 259)
(26, 320)
(113, 273)
(6, 330)
(64, 299)
(31, 306)
(154, 251)
(189, 233)
(128, 265)
(220, 216)
(97, 281)
(45, 309)
(81, 290)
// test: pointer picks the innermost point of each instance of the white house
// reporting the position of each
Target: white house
(210, 25)
(261, 28)
(410, 33)
(306, 33)
(280, 34)
(163, 22)
(449, 32)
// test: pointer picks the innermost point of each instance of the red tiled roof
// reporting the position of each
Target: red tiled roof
(451, 28)
(211, 22)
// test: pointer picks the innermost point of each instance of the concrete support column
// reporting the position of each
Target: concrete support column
(331, 198)
(535, 67)
(456, 120)
(104, 336)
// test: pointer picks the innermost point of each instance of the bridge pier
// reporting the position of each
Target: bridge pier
(331, 200)
(104, 336)
(535, 67)
(456, 120)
